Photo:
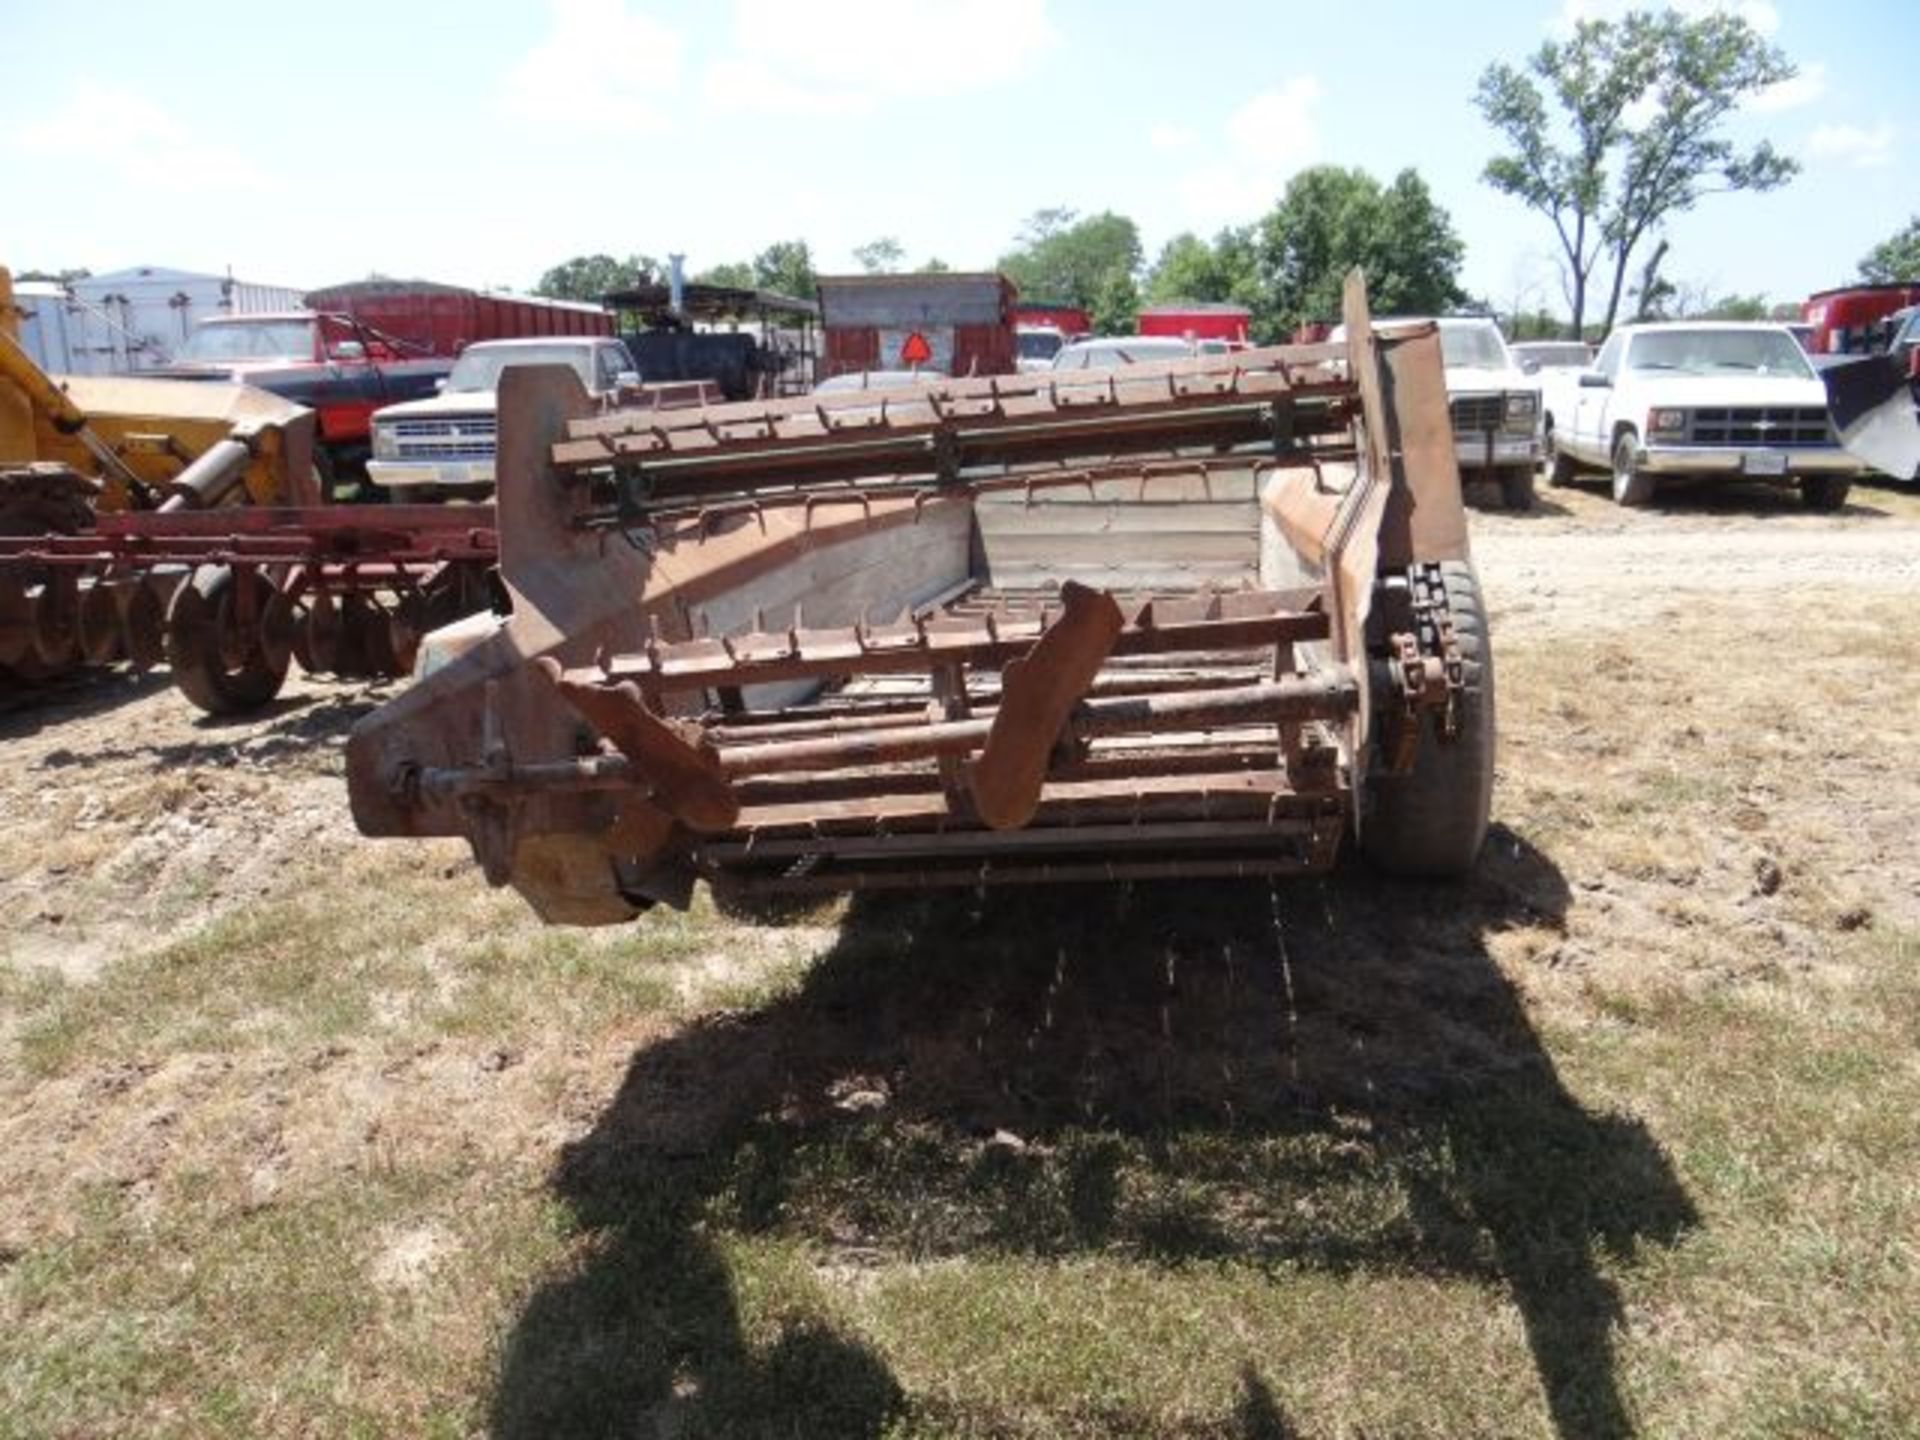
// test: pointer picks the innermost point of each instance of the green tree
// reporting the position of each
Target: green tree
(589, 277)
(934, 265)
(1331, 219)
(1116, 304)
(733, 274)
(1580, 153)
(786, 267)
(56, 277)
(1189, 268)
(1076, 261)
(1895, 258)
(881, 256)
(1735, 307)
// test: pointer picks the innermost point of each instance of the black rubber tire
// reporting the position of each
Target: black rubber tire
(200, 670)
(1560, 467)
(1516, 486)
(1825, 493)
(1631, 484)
(1431, 822)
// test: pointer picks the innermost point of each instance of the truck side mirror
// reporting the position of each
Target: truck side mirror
(626, 379)
(1594, 380)
(440, 384)
(348, 350)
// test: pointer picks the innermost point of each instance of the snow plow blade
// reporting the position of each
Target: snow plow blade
(1200, 618)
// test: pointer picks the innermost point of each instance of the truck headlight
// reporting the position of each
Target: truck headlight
(1522, 407)
(386, 444)
(1667, 423)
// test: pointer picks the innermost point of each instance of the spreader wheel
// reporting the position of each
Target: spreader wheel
(1431, 820)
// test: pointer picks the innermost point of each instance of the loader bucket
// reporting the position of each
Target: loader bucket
(1170, 620)
(1872, 401)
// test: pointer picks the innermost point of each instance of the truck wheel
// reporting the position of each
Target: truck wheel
(1824, 492)
(1560, 466)
(1631, 484)
(1431, 821)
(1516, 487)
(220, 666)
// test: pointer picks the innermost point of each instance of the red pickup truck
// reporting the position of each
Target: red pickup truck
(363, 346)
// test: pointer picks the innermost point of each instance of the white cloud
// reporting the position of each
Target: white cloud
(139, 142)
(601, 67)
(1762, 15)
(1165, 139)
(1803, 89)
(1265, 142)
(1853, 146)
(849, 56)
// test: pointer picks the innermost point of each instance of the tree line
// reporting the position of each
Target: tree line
(1607, 135)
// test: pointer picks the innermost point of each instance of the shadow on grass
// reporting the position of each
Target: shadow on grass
(1327, 1074)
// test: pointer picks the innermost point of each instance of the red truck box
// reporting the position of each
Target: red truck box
(445, 319)
(1844, 320)
(961, 324)
(1069, 320)
(1198, 321)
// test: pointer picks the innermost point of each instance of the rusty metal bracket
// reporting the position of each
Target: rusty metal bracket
(1038, 693)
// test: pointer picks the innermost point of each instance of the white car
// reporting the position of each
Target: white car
(1702, 401)
(1494, 405)
(446, 441)
(879, 380)
(1112, 351)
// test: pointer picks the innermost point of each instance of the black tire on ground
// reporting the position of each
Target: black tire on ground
(1631, 484)
(1431, 821)
(223, 676)
(1516, 486)
(1824, 492)
(1560, 467)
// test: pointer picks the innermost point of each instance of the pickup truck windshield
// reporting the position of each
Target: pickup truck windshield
(1038, 344)
(1718, 352)
(479, 366)
(249, 340)
(1472, 347)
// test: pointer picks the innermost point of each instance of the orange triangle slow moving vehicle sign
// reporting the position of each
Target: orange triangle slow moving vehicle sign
(914, 350)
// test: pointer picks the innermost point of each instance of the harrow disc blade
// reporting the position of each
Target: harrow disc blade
(324, 640)
(220, 663)
(56, 621)
(100, 626)
(16, 622)
(143, 621)
(370, 637)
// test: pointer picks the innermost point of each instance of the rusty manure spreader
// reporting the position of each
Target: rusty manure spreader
(1204, 618)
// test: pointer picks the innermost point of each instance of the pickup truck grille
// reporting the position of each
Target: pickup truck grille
(1473, 413)
(1775, 425)
(459, 437)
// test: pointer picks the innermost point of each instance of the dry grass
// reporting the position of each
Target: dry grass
(1617, 1137)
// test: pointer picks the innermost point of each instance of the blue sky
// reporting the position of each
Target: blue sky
(479, 143)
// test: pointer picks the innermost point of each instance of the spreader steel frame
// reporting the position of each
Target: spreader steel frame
(1164, 621)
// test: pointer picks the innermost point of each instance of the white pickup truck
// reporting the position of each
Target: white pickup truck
(1702, 401)
(446, 441)
(1494, 405)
